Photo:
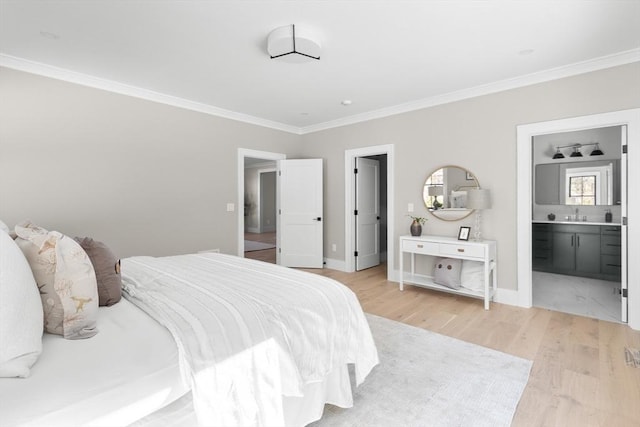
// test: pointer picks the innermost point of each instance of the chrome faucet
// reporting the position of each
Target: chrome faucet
(577, 217)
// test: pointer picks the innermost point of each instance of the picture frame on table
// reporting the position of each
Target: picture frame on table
(463, 233)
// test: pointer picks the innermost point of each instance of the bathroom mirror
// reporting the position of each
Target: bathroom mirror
(445, 192)
(578, 183)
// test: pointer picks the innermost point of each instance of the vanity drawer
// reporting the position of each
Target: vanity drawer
(611, 264)
(419, 247)
(611, 230)
(610, 245)
(462, 250)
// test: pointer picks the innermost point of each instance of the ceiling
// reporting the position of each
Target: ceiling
(384, 56)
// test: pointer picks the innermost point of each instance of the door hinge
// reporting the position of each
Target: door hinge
(355, 211)
(355, 170)
(280, 250)
(624, 220)
(624, 149)
(279, 173)
(625, 293)
(355, 253)
(279, 211)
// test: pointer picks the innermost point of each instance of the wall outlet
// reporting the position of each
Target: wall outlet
(334, 247)
(410, 207)
(231, 207)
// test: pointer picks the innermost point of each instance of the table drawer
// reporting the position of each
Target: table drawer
(420, 247)
(462, 250)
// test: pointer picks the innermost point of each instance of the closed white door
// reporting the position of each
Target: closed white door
(367, 213)
(299, 237)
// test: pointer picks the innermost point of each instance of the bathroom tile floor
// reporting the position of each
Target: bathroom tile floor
(577, 295)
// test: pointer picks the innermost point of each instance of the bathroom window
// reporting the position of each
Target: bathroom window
(582, 190)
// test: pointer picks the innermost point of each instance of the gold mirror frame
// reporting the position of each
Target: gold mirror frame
(444, 192)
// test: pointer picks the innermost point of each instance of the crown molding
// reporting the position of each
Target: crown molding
(609, 61)
(33, 67)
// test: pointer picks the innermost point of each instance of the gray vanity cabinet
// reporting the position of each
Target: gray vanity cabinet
(577, 250)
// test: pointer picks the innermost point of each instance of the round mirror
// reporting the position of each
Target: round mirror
(445, 192)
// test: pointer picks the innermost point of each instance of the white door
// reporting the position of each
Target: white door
(367, 213)
(623, 231)
(299, 237)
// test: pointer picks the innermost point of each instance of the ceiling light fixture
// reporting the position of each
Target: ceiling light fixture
(576, 150)
(294, 42)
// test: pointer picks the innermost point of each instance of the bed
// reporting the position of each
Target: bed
(250, 343)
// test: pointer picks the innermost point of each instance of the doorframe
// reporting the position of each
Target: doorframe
(349, 204)
(242, 154)
(525, 134)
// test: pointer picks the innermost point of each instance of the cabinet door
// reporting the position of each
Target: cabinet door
(587, 253)
(564, 254)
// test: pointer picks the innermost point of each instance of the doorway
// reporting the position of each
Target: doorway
(386, 244)
(630, 272)
(253, 227)
(576, 253)
(260, 209)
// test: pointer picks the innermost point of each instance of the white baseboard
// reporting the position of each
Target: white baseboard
(253, 230)
(335, 264)
(508, 296)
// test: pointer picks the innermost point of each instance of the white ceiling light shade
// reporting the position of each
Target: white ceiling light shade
(293, 42)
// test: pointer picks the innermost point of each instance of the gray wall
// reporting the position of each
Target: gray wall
(478, 134)
(153, 179)
(143, 177)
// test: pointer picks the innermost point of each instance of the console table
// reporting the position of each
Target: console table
(450, 247)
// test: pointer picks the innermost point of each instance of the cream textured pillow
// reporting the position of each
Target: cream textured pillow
(447, 272)
(472, 275)
(20, 312)
(66, 279)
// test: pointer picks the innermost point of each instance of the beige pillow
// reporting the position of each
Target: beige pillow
(105, 264)
(66, 279)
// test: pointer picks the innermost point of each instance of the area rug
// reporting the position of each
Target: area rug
(423, 379)
(428, 379)
(250, 246)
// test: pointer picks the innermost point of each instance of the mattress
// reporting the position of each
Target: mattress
(125, 372)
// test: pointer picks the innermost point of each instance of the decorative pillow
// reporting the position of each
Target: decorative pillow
(66, 279)
(106, 266)
(446, 272)
(472, 275)
(20, 312)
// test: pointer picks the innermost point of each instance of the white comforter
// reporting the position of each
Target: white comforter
(250, 333)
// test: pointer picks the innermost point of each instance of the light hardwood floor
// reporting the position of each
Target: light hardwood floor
(579, 376)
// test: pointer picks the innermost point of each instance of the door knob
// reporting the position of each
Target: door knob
(317, 219)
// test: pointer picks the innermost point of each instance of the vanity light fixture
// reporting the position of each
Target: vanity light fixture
(576, 150)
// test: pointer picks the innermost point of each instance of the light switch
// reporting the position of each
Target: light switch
(410, 207)
(230, 207)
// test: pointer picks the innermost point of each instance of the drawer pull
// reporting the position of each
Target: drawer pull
(420, 246)
(460, 250)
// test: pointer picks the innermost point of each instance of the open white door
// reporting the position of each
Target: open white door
(367, 213)
(300, 213)
(624, 285)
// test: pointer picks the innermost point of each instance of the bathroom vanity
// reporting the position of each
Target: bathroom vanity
(577, 249)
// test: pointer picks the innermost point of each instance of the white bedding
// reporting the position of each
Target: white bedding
(126, 371)
(253, 337)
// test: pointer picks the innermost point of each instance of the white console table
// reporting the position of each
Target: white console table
(450, 247)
